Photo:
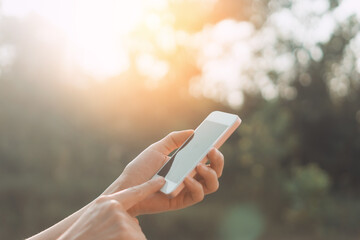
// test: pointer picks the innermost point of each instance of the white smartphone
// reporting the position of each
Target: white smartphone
(212, 132)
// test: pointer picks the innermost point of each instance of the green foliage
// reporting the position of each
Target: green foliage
(308, 182)
(308, 191)
(294, 160)
(244, 222)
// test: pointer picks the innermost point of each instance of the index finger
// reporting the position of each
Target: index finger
(131, 196)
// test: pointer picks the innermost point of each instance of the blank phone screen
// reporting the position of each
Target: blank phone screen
(192, 151)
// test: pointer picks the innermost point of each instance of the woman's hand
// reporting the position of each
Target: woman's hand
(108, 218)
(143, 167)
(107, 214)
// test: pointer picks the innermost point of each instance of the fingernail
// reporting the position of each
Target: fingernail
(161, 180)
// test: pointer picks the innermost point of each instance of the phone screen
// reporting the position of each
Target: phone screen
(192, 151)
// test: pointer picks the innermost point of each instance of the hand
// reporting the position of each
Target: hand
(107, 218)
(143, 167)
(87, 224)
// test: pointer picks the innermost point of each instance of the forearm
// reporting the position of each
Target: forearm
(59, 228)
(55, 231)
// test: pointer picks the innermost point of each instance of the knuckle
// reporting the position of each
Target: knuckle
(213, 173)
(215, 187)
(171, 136)
(138, 192)
(121, 220)
(153, 145)
(119, 216)
(221, 155)
(113, 204)
(102, 199)
(200, 197)
(216, 155)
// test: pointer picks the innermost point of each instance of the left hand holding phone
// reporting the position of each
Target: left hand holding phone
(143, 167)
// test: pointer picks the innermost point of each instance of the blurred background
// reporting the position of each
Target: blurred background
(85, 86)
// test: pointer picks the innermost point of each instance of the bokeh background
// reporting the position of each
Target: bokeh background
(85, 85)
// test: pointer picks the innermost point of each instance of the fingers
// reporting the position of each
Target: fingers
(129, 197)
(209, 178)
(216, 159)
(209, 175)
(196, 191)
(172, 141)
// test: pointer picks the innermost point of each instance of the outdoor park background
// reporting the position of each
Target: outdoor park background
(85, 86)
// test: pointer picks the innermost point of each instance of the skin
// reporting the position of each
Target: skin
(107, 218)
(139, 171)
(150, 161)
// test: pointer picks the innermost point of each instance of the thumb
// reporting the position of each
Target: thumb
(131, 196)
(172, 141)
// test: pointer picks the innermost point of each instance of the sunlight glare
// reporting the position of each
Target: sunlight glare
(97, 34)
(151, 67)
(95, 29)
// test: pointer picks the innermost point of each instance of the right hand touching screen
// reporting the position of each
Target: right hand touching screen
(108, 218)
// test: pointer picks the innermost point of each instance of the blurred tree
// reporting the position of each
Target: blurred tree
(294, 158)
(308, 189)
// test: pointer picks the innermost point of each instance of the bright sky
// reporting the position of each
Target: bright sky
(95, 28)
(225, 51)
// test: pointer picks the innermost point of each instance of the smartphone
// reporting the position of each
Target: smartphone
(212, 132)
